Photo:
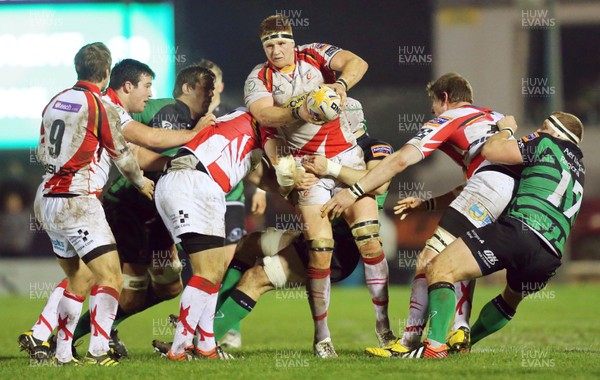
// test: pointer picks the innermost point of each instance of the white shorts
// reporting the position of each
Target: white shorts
(484, 197)
(76, 226)
(327, 187)
(190, 201)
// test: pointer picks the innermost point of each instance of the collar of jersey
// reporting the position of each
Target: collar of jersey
(87, 86)
(113, 96)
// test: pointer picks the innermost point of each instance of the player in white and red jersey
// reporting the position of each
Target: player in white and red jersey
(460, 130)
(77, 127)
(274, 93)
(190, 199)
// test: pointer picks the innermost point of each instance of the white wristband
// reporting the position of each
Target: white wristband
(333, 169)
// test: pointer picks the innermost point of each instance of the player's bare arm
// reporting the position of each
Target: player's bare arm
(500, 148)
(124, 159)
(390, 166)
(405, 206)
(352, 69)
(269, 115)
(149, 160)
(321, 166)
(156, 138)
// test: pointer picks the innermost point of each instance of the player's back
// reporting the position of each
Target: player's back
(229, 149)
(69, 145)
(550, 191)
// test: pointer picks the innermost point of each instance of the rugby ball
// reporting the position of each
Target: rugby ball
(324, 104)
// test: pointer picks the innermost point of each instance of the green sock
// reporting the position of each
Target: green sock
(230, 280)
(494, 316)
(237, 327)
(442, 300)
(83, 326)
(235, 308)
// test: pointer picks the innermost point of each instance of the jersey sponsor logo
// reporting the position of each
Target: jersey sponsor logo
(164, 124)
(66, 106)
(332, 50)
(436, 122)
(479, 213)
(295, 101)
(309, 75)
(488, 257)
(381, 150)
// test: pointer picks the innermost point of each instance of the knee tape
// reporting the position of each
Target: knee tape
(440, 240)
(274, 270)
(321, 245)
(363, 232)
(171, 272)
(270, 241)
(135, 282)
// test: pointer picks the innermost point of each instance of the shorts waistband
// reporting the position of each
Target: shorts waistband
(499, 169)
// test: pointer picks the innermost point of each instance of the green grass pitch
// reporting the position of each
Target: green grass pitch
(555, 335)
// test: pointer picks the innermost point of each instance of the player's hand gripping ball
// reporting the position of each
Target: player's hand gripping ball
(324, 104)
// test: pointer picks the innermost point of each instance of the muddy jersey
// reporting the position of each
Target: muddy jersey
(460, 133)
(227, 151)
(288, 89)
(77, 127)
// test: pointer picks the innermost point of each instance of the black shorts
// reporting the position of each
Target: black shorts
(509, 244)
(235, 215)
(139, 235)
(344, 259)
(374, 149)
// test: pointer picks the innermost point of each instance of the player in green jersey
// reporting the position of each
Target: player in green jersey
(528, 240)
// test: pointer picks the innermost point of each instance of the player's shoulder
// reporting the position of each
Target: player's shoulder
(319, 47)
(257, 69)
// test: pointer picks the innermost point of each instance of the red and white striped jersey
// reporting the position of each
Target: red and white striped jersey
(78, 125)
(229, 150)
(460, 133)
(288, 89)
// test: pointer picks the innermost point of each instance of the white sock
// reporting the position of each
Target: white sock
(417, 313)
(205, 328)
(194, 300)
(464, 302)
(68, 310)
(49, 317)
(104, 301)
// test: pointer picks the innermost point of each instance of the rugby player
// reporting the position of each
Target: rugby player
(527, 240)
(459, 129)
(274, 94)
(283, 255)
(78, 125)
(127, 212)
(215, 160)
